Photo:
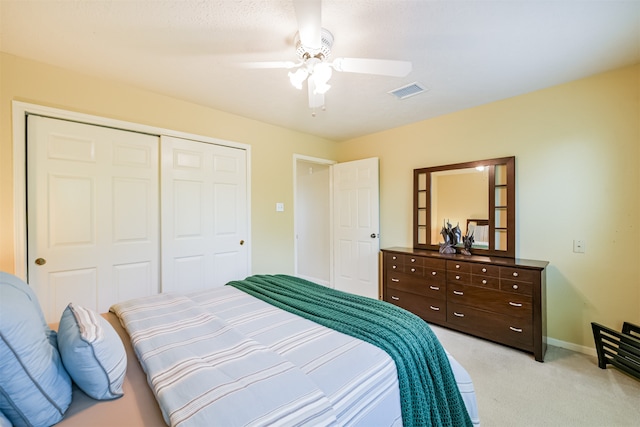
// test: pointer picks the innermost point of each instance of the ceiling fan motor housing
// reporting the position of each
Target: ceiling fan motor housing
(305, 52)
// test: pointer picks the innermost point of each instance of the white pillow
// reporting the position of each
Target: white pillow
(35, 389)
(92, 352)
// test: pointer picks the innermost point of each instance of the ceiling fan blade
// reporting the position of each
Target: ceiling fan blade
(384, 67)
(270, 64)
(309, 15)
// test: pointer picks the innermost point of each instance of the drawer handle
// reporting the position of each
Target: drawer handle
(394, 257)
(434, 288)
(515, 304)
(515, 274)
(413, 270)
(394, 267)
(457, 277)
(434, 308)
(413, 260)
(515, 286)
(433, 273)
(519, 330)
(458, 292)
(484, 270)
(393, 279)
(484, 282)
(395, 298)
(458, 314)
(457, 265)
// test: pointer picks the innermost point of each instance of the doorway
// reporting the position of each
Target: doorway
(337, 223)
(312, 219)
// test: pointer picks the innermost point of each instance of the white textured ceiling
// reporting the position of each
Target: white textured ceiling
(466, 53)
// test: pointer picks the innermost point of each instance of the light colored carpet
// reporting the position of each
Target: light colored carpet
(568, 389)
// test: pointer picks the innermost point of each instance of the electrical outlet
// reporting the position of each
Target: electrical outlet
(279, 207)
(578, 246)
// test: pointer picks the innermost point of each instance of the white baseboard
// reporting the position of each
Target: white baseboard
(591, 351)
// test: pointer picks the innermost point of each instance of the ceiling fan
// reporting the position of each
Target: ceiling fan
(313, 48)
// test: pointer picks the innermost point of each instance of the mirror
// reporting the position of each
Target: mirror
(477, 198)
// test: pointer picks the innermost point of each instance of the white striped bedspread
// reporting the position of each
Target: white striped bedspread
(224, 358)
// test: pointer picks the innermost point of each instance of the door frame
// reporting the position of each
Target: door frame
(20, 110)
(324, 162)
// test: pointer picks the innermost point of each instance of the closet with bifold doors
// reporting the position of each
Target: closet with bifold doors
(115, 214)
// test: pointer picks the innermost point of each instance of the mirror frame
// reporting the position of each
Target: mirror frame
(509, 208)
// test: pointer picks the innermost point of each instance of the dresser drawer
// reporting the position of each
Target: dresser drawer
(413, 260)
(393, 262)
(491, 300)
(393, 266)
(429, 309)
(459, 266)
(508, 285)
(433, 276)
(505, 329)
(457, 277)
(416, 285)
(389, 257)
(485, 270)
(414, 270)
(519, 274)
(434, 264)
(485, 281)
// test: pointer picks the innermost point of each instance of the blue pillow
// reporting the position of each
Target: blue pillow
(4, 421)
(92, 352)
(35, 389)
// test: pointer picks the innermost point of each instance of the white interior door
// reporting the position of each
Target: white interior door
(92, 198)
(204, 215)
(356, 222)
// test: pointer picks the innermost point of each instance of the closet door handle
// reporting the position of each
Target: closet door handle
(241, 242)
(519, 330)
(515, 304)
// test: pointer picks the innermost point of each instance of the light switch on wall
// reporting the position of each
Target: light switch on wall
(578, 246)
(279, 207)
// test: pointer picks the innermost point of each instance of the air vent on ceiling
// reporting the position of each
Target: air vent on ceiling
(408, 90)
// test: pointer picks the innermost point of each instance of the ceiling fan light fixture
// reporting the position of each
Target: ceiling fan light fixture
(298, 77)
(321, 74)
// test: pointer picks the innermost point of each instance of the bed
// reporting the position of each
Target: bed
(223, 357)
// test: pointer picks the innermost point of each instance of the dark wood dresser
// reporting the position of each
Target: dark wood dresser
(499, 299)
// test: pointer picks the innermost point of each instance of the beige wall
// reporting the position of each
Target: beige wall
(577, 149)
(272, 147)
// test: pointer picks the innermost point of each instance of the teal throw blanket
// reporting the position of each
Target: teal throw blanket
(428, 391)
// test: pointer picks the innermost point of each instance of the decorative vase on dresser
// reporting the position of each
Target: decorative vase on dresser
(481, 288)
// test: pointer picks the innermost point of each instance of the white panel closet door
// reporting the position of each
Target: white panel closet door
(204, 215)
(356, 226)
(93, 223)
